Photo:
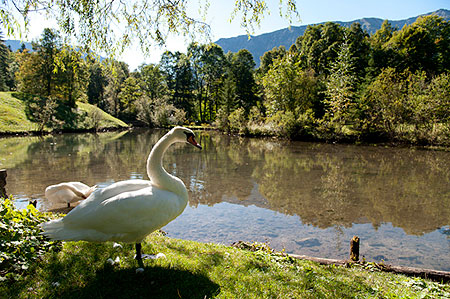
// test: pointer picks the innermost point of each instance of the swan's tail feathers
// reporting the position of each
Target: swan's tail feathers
(55, 230)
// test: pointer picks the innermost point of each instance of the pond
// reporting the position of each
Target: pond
(306, 198)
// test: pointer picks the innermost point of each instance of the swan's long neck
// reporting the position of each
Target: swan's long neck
(158, 175)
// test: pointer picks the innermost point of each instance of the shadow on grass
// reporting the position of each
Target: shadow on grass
(154, 282)
(62, 112)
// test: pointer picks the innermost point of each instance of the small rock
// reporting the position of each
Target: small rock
(158, 256)
(117, 245)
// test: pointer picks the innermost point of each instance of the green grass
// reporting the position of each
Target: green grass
(14, 116)
(197, 270)
(105, 120)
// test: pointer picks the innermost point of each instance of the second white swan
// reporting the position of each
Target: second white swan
(68, 192)
(128, 211)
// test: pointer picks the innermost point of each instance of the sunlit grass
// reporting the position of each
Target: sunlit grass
(198, 270)
(12, 115)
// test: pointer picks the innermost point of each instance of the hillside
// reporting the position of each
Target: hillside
(15, 119)
(260, 44)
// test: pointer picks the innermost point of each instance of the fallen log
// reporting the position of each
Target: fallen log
(440, 276)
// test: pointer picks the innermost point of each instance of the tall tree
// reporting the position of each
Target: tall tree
(29, 78)
(358, 43)
(178, 75)
(423, 45)
(288, 88)
(195, 54)
(151, 81)
(71, 74)
(97, 83)
(129, 94)
(242, 72)
(48, 47)
(380, 56)
(213, 68)
(116, 72)
(320, 45)
(341, 85)
(4, 64)
(268, 58)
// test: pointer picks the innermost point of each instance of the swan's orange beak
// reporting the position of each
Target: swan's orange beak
(192, 141)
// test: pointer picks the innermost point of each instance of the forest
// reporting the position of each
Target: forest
(334, 84)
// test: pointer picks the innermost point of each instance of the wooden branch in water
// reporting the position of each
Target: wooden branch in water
(440, 276)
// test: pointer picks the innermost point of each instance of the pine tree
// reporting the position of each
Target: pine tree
(340, 86)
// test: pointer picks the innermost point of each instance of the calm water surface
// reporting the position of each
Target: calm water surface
(308, 198)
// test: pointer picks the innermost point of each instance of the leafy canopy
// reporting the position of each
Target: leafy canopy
(111, 26)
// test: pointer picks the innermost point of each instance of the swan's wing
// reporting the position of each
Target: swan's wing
(99, 195)
(134, 213)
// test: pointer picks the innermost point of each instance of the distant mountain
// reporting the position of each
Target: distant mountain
(15, 45)
(260, 44)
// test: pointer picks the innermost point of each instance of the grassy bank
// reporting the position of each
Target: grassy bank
(196, 270)
(32, 267)
(16, 116)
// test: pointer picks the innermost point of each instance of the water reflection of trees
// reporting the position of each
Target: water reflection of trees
(328, 185)
(325, 185)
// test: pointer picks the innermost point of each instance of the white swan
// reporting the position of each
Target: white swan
(68, 192)
(128, 211)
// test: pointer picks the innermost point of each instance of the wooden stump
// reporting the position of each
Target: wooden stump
(354, 249)
(2, 182)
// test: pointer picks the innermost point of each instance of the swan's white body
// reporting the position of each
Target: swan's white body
(128, 211)
(68, 192)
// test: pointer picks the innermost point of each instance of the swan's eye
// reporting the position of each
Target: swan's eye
(188, 135)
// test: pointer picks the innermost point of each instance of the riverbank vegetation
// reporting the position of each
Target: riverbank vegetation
(20, 112)
(37, 268)
(333, 84)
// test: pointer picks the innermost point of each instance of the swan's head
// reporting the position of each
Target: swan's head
(182, 134)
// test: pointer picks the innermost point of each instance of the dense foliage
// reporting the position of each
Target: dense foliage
(21, 243)
(334, 83)
(111, 26)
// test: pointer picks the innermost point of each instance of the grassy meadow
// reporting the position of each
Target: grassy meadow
(16, 116)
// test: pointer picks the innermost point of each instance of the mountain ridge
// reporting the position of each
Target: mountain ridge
(259, 44)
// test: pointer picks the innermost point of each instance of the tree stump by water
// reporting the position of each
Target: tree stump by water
(2, 182)
(354, 249)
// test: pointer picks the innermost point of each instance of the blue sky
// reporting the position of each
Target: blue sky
(311, 12)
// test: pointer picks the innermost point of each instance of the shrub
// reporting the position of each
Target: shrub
(159, 113)
(221, 121)
(237, 120)
(20, 240)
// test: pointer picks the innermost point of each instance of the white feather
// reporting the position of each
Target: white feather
(127, 211)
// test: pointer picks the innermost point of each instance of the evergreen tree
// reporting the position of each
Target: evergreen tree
(340, 86)
(242, 73)
(4, 64)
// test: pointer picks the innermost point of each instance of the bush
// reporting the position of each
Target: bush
(20, 240)
(159, 113)
(237, 121)
(221, 121)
